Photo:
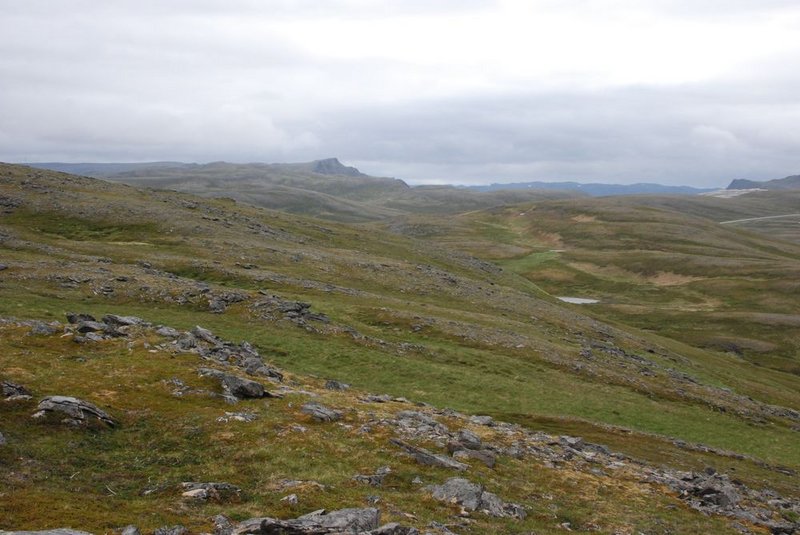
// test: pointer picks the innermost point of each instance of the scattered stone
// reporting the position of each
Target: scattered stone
(291, 499)
(77, 318)
(2, 440)
(130, 530)
(473, 497)
(376, 479)
(235, 386)
(223, 525)
(485, 456)
(3, 267)
(255, 366)
(40, 328)
(321, 413)
(78, 412)
(425, 457)
(205, 335)
(168, 332)
(394, 529)
(171, 530)
(316, 523)
(469, 440)
(90, 327)
(122, 321)
(381, 398)
(187, 342)
(216, 305)
(14, 392)
(576, 443)
(482, 420)
(336, 385)
(709, 489)
(57, 531)
(238, 417)
(218, 492)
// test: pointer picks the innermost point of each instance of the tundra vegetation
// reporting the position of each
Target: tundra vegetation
(175, 360)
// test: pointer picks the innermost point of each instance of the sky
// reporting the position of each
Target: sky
(694, 92)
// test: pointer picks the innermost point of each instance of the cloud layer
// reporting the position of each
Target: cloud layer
(437, 91)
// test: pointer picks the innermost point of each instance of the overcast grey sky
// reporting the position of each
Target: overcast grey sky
(460, 91)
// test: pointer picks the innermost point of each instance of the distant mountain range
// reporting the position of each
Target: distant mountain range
(323, 188)
(790, 182)
(599, 190)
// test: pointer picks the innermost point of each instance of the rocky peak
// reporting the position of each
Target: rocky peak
(332, 166)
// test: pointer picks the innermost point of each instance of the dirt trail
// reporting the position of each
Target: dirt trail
(757, 218)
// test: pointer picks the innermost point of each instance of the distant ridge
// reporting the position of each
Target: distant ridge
(100, 170)
(790, 182)
(599, 190)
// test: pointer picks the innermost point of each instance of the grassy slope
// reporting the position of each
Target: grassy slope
(472, 320)
(659, 265)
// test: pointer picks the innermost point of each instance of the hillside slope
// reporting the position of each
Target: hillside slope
(398, 317)
(667, 265)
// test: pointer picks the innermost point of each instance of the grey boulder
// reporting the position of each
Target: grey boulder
(321, 413)
(236, 386)
(122, 321)
(77, 411)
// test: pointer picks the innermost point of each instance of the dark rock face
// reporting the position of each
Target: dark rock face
(77, 411)
(321, 413)
(425, 457)
(235, 386)
(473, 497)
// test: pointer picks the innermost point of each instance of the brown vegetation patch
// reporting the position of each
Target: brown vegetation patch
(667, 278)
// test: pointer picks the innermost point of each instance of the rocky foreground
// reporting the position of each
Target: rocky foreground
(431, 437)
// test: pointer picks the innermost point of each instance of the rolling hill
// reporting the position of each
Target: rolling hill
(321, 188)
(430, 345)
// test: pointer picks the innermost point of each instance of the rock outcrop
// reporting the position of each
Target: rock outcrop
(423, 456)
(473, 497)
(235, 386)
(77, 411)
